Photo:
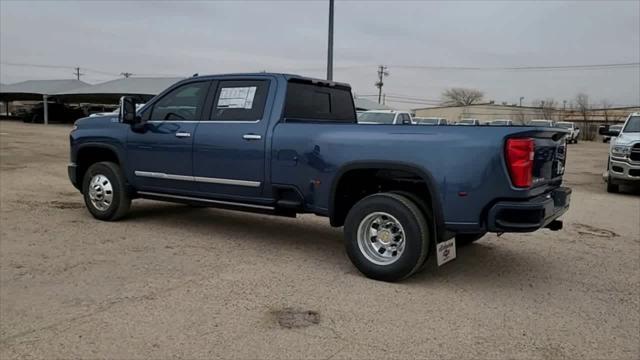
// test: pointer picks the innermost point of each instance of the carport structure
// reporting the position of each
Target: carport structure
(110, 92)
(36, 90)
(75, 91)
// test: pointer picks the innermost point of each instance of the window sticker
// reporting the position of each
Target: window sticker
(236, 97)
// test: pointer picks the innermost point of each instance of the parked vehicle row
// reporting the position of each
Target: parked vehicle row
(430, 121)
(388, 117)
(285, 145)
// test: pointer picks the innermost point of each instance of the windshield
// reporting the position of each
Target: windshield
(565, 125)
(633, 125)
(378, 118)
(427, 121)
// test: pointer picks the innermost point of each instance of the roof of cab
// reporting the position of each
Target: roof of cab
(286, 76)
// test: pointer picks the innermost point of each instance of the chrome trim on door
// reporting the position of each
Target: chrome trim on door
(227, 181)
(203, 121)
(251, 137)
(158, 175)
(263, 207)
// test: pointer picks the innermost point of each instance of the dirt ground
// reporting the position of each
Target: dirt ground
(172, 281)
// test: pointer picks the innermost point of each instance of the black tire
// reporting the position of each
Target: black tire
(612, 188)
(417, 238)
(121, 201)
(466, 239)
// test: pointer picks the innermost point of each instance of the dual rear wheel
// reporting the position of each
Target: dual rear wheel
(387, 236)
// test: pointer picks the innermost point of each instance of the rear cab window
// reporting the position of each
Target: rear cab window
(318, 102)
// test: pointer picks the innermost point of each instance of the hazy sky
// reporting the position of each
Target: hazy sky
(181, 38)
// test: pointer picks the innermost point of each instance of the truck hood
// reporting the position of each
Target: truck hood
(96, 121)
(627, 138)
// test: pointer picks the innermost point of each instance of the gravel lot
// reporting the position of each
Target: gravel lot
(174, 281)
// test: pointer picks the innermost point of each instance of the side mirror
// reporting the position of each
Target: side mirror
(606, 130)
(128, 111)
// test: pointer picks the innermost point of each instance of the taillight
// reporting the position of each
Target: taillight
(519, 154)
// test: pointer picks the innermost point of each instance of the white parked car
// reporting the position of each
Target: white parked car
(623, 166)
(500, 122)
(430, 121)
(468, 122)
(541, 123)
(574, 131)
(389, 117)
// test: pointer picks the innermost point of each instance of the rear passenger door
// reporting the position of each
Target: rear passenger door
(229, 147)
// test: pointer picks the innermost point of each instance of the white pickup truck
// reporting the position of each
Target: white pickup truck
(574, 132)
(623, 166)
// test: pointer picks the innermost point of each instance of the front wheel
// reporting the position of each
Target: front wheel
(104, 190)
(387, 236)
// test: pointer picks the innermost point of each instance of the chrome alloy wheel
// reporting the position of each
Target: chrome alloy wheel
(381, 238)
(100, 192)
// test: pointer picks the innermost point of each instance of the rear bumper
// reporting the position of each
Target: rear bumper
(72, 171)
(528, 215)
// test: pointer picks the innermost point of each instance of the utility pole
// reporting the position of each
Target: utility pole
(77, 73)
(330, 44)
(382, 72)
(521, 98)
(126, 74)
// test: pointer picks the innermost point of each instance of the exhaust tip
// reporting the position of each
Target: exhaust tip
(555, 225)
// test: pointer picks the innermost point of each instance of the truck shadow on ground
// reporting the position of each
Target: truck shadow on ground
(314, 238)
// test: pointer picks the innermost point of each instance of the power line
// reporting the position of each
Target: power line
(578, 67)
(86, 69)
(524, 68)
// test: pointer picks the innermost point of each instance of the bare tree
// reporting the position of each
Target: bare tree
(584, 109)
(520, 117)
(548, 106)
(606, 105)
(461, 97)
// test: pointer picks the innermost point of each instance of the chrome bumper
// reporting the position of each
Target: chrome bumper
(623, 170)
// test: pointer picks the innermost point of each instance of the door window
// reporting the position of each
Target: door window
(240, 100)
(182, 103)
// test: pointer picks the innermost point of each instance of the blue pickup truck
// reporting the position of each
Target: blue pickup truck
(285, 145)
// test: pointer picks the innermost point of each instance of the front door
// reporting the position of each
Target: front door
(229, 148)
(161, 153)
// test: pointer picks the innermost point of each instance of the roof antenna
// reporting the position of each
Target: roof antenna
(195, 75)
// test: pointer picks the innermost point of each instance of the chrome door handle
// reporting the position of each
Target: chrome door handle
(183, 134)
(251, 137)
